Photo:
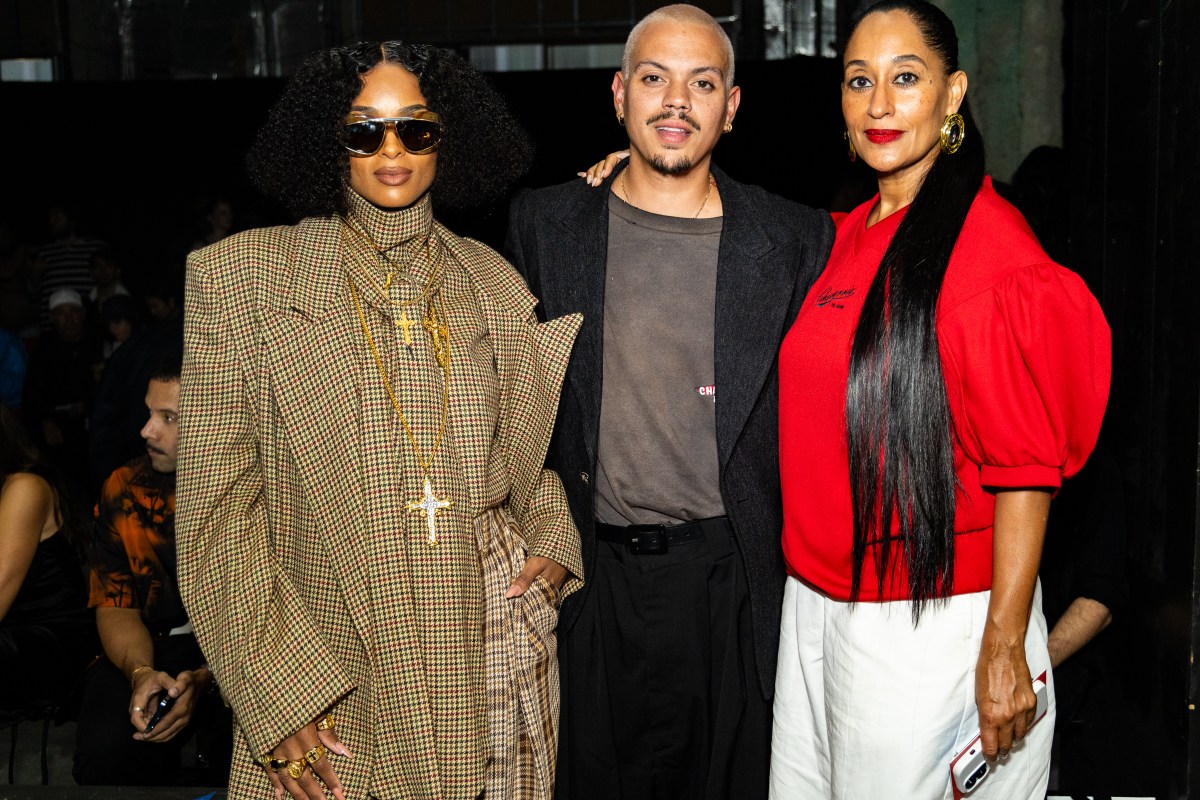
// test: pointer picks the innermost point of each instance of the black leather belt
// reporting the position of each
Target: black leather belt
(654, 539)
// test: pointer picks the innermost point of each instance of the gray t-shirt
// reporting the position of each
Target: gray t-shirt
(658, 441)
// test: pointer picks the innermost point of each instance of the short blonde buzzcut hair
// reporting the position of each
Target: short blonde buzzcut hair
(680, 12)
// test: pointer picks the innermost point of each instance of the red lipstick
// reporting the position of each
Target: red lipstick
(882, 136)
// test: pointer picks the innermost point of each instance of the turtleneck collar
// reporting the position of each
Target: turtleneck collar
(405, 236)
(389, 229)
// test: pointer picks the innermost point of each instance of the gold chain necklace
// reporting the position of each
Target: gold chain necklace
(387, 259)
(428, 503)
(431, 287)
(711, 182)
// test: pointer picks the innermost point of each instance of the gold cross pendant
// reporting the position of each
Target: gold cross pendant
(432, 507)
(406, 326)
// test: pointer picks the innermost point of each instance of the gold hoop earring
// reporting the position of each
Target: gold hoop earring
(850, 151)
(729, 127)
(620, 119)
(954, 131)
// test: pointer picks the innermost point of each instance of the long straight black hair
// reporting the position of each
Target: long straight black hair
(897, 416)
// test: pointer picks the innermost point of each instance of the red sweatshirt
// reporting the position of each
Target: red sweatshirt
(1026, 357)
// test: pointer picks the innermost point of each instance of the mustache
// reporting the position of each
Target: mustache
(681, 116)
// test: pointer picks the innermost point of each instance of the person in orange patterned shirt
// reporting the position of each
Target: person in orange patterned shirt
(144, 629)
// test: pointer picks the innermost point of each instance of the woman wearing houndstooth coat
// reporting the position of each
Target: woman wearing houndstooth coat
(370, 550)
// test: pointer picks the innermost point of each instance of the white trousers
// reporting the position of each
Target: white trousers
(867, 707)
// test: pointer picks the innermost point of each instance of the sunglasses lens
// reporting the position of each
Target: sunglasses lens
(419, 135)
(365, 137)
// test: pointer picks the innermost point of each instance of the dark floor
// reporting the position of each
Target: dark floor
(62, 742)
(60, 745)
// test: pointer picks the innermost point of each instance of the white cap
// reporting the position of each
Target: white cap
(64, 297)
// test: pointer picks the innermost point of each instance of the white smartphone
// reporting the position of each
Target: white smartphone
(969, 768)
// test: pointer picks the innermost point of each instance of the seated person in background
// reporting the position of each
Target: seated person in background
(65, 262)
(107, 274)
(1084, 583)
(59, 388)
(121, 321)
(218, 222)
(164, 299)
(143, 628)
(1083, 566)
(118, 412)
(46, 631)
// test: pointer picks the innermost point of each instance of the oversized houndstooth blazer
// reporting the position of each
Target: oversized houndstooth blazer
(270, 498)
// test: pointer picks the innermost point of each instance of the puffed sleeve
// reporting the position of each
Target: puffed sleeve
(1027, 369)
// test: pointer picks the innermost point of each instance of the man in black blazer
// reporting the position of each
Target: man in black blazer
(666, 435)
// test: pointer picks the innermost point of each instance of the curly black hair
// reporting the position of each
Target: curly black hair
(298, 160)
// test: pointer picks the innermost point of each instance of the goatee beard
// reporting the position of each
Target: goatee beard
(678, 167)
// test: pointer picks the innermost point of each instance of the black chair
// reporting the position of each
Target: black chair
(56, 711)
(44, 712)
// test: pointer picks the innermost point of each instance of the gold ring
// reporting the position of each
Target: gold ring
(269, 761)
(325, 723)
(296, 768)
(139, 709)
(315, 754)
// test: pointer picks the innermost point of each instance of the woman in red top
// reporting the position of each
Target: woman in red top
(941, 379)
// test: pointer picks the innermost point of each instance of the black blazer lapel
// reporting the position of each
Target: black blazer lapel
(573, 281)
(754, 288)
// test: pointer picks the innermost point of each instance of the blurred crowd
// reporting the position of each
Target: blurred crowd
(77, 330)
(91, 627)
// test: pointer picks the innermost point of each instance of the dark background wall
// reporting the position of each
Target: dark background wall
(134, 157)
(1131, 112)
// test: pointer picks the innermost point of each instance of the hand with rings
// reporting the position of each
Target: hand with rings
(296, 763)
(187, 689)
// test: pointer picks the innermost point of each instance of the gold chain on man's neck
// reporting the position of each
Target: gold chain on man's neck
(711, 182)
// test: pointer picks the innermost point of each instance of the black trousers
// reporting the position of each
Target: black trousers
(106, 754)
(660, 693)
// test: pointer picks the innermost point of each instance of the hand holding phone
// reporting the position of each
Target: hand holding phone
(969, 767)
(162, 703)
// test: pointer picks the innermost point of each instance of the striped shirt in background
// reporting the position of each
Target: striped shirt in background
(67, 266)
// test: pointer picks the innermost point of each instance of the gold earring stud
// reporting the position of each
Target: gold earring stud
(850, 151)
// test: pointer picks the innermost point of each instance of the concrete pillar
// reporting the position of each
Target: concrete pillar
(1012, 53)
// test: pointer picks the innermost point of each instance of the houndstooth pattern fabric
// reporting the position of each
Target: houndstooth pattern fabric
(310, 586)
(522, 668)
